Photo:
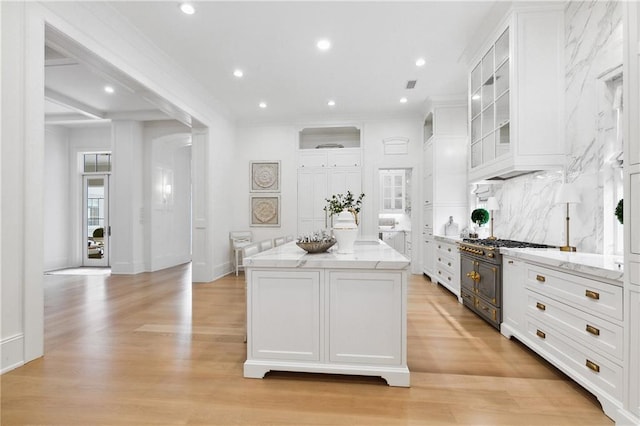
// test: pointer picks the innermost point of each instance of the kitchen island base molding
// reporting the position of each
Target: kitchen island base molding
(399, 377)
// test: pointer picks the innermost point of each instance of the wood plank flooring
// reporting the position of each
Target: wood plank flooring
(154, 349)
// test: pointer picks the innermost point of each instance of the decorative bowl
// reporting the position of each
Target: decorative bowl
(316, 246)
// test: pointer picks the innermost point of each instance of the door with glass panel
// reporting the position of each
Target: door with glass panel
(96, 220)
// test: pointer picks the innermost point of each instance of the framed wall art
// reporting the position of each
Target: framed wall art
(265, 210)
(265, 176)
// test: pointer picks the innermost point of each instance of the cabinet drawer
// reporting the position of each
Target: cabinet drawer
(446, 248)
(488, 311)
(591, 331)
(597, 371)
(445, 276)
(599, 298)
(445, 263)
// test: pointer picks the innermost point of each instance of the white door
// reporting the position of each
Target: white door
(95, 222)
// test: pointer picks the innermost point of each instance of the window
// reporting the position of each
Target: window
(97, 163)
(393, 189)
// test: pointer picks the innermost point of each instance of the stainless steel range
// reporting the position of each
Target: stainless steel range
(481, 275)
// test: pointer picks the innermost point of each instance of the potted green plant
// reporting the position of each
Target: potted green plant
(346, 209)
(340, 202)
(480, 216)
(619, 210)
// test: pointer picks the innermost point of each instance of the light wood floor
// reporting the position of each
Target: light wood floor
(154, 349)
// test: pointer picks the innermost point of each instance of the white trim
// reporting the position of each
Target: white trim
(11, 349)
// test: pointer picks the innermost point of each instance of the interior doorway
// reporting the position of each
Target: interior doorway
(394, 207)
(95, 220)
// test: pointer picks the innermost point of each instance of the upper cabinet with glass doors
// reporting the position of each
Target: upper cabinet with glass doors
(516, 91)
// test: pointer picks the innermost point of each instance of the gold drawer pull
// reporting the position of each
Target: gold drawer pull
(510, 262)
(540, 278)
(592, 294)
(593, 366)
(541, 334)
(540, 306)
(591, 329)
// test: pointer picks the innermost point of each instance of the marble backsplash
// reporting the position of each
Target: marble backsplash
(593, 48)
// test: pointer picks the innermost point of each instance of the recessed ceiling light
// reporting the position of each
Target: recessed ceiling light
(324, 44)
(109, 89)
(403, 100)
(238, 73)
(262, 104)
(187, 8)
(420, 62)
(331, 103)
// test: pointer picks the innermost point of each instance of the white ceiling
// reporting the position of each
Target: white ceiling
(375, 45)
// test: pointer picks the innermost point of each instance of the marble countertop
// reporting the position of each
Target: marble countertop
(597, 265)
(447, 238)
(369, 254)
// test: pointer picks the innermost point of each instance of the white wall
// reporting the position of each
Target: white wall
(57, 232)
(266, 143)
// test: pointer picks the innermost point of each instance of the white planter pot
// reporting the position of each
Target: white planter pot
(346, 231)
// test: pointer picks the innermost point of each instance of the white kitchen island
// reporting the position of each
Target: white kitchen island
(328, 312)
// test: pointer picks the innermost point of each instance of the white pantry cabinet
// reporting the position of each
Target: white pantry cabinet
(315, 185)
(516, 90)
(444, 175)
(329, 162)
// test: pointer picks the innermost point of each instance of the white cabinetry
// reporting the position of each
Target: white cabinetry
(447, 266)
(445, 175)
(338, 157)
(327, 321)
(365, 317)
(573, 321)
(632, 207)
(300, 340)
(516, 89)
(322, 173)
(513, 296)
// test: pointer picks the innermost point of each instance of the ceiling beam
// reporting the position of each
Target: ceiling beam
(66, 101)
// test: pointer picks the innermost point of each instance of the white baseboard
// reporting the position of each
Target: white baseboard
(12, 352)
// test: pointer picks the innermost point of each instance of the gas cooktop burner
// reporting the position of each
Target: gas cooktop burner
(503, 243)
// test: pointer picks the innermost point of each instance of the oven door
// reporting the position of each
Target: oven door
(467, 270)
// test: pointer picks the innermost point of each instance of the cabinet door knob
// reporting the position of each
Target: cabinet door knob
(592, 294)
